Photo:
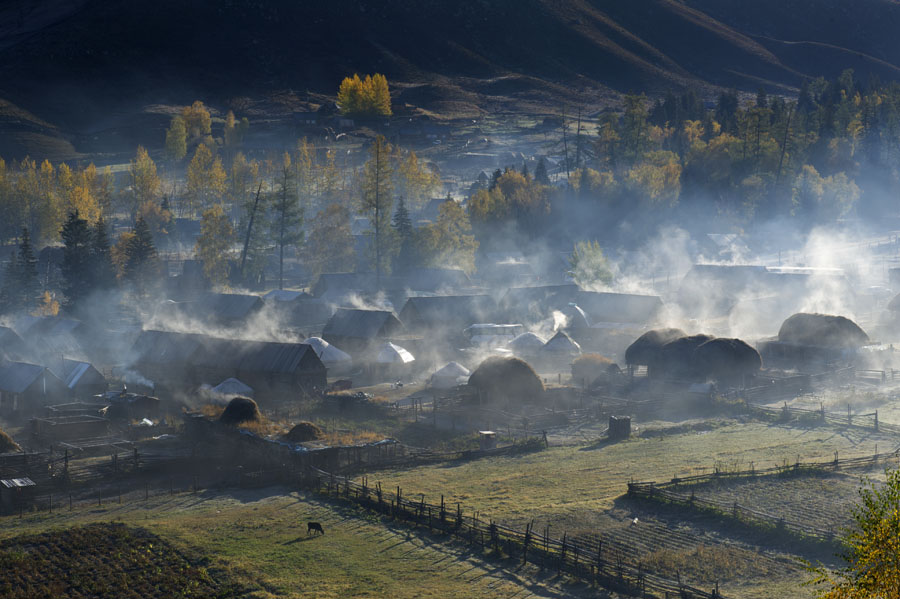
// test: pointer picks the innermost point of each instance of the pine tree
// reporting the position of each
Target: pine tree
(176, 139)
(378, 200)
(141, 262)
(288, 215)
(29, 285)
(540, 173)
(76, 265)
(9, 297)
(102, 269)
(403, 227)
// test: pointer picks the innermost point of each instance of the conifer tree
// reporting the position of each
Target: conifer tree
(141, 262)
(28, 283)
(288, 215)
(77, 261)
(378, 200)
(103, 270)
(403, 228)
(540, 172)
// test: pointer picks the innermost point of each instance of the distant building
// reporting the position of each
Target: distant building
(358, 331)
(28, 388)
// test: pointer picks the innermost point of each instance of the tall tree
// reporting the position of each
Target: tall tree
(377, 201)
(449, 242)
(77, 273)
(403, 229)
(287, 214)
(330, 247)
(206, 179)
(540, 172)
(21, 286)
(145, 183)
(214, 243)
(176, 139)
(142, 268)
(103, 271)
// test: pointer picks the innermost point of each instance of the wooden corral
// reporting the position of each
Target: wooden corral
(68, 428)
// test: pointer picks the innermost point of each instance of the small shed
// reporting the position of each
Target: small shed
(27, 388)
(15, 490)
(82, 380)
(619, 427)
(451, 375)
(487, 440)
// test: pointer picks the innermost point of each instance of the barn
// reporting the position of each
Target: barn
(358, 331)
(28, 388)
(446, 315)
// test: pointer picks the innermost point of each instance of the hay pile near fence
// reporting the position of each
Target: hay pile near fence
(302, 432)
(504, 378)
(726, 359)
(645, 350)
(822, 330)
(7, 443)
(588, 368)
(675, 359)
(240, 410)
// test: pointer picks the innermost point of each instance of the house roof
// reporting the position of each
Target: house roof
(433, 279)
(618, 307)
(74, 373)
(17, 377)
(343, 281)
(443, 309)
(539, 298)
(361, 324)
(526, 342)
(562, 343)
(286, 295)
(326, 351)
(389, 353)
(185, 349)
(225, 306)
(12, 346)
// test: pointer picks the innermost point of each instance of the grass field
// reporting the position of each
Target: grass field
(258, 539)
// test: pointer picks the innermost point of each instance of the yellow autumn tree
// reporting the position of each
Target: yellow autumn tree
(216, 236)
(206, 179)
(145, 182)
(365, 97)
(197, 121)
(871, 547)
(415, 181)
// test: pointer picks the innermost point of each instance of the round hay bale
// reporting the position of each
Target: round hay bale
(589, 367)
(239, 410)
(7, 443)
(645, 350)
(822, 330)
(676, 358)
(302, 432)
(725, 359)
(506, 378)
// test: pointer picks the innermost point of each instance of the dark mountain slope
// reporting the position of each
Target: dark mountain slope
(77, 63)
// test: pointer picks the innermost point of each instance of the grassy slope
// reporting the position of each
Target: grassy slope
(260, 539)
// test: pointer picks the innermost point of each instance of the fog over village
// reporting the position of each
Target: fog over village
(495, 299)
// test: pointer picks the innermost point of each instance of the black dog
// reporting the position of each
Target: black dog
(312, 527)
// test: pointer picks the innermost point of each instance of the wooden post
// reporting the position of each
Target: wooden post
(876, 421)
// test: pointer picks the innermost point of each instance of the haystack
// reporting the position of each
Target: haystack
(302, 432)
(7, 443)
(501, 378)
(589, 367)
(726, 359)
(676, 358)
(645, 350)
(239, 410)
(232, 387)
(822, 330)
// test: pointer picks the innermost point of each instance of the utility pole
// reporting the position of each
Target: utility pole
(249, 229)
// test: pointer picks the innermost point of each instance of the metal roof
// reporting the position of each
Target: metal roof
(442, 310)
(16, 377)
(17, 483)
(361, 324)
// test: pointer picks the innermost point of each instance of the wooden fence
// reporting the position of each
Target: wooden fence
(593, 562)
(673, 491)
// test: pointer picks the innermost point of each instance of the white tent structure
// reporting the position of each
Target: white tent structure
(331, 356)
(227, 389)
(450, 376)
(562, 345)
(391, 354)
(526, 343)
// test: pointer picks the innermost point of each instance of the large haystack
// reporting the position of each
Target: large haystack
(504, 378)
(589, 367)
(645, 350)
(302, 432)
(726, 360)
(240, 410)
(7, 443)
(822, 330)
(676, 358)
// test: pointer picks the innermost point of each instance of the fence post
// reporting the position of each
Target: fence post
(876, 421)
